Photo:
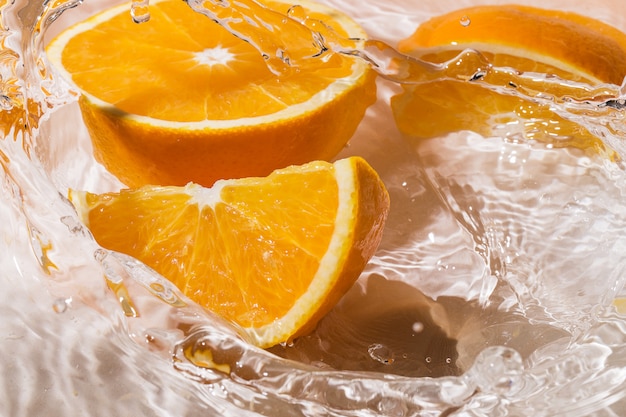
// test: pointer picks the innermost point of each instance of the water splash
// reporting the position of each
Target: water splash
(311, 41)
(529, 325)
(283, 41)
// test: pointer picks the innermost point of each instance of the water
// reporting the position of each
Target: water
(491, 293)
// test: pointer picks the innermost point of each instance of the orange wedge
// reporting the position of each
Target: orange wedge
(179, 99)
(271, 254)
(528, 39)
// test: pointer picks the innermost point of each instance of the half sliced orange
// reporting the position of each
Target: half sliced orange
(528, 39)
(179, 99)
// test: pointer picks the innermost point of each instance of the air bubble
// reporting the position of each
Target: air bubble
(417, 327)
(465, 21)
(60, 305)
(381, 353)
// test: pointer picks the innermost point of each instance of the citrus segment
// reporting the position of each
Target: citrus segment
(271, 254)
(179, 99)
(528, 39)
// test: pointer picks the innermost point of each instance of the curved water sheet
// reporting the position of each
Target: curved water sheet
(491, 293)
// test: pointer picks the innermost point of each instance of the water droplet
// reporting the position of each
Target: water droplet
(60, 305)
(139, 11)
(465, 21)
(297, 13)
(381, 353)
(417, 327)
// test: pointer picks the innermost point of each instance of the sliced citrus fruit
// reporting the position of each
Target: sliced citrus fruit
(179, 99)
(271, 254)
(528, 39)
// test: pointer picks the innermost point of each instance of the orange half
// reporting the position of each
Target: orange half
(528, 39)
(179, 99)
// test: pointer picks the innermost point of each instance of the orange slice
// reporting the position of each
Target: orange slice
(271, 254)
(529, 39)
(179, 99)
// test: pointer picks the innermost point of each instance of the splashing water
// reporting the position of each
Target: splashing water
(491, 293)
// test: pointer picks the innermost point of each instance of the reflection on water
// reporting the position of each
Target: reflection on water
(490, 295)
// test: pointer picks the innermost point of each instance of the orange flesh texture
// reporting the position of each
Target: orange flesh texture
(181, 63)
(226, 258)
(529, 39)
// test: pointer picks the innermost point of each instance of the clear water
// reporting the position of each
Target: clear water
(492, 292)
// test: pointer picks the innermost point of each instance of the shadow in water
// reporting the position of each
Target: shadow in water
(388, 326)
